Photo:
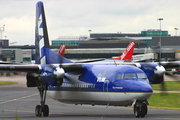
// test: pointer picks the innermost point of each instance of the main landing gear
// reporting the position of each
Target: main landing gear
(140, 109)
(42, 108)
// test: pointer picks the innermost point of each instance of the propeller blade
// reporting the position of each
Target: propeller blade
(72, 79)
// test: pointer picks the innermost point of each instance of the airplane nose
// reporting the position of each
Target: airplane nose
(148, 88)
(146, 92)
(145, 87)
(160, 70)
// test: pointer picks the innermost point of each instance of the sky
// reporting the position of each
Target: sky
(76, 17)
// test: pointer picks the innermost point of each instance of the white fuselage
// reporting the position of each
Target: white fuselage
(98, 98)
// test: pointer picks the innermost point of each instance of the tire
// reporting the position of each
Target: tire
(38, 111)
(143, 110)
(46, 111)
(137, 111)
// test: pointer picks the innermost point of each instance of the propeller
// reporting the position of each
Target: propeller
(62, 69)
(158, 72)
(58, 74)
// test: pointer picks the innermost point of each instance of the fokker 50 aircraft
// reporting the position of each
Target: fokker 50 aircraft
(97, 83)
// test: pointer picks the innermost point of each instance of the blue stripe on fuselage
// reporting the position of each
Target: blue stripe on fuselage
(102, 78)
(136, 86)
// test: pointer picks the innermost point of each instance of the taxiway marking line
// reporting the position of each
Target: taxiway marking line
(18, 98)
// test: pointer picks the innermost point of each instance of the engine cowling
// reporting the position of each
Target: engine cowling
(58, 75)
(32, 80)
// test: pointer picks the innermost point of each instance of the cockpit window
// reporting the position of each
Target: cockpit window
(130, 76)
(141, 75)
(118, 76)
(122, 76)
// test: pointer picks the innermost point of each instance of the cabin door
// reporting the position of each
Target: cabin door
(105, 90)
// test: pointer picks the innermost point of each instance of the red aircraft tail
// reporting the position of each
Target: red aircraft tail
(127, 54)
(62, 50)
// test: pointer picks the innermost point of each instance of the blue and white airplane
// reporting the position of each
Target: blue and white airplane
(107, 84)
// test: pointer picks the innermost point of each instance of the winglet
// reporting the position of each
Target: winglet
(127, 54)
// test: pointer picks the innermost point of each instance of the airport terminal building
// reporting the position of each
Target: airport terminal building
(101, 45)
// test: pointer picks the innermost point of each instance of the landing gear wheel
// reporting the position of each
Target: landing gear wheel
(136, 111)
(144, 108)
(46, 111)
(140, 110)
(43, 108)
(38, 111)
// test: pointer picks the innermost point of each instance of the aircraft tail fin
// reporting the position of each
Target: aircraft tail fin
(43, 53)
(62, 50)
(127, 54)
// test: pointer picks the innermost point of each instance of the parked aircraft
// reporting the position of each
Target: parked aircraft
(126, 55)
(100, 83)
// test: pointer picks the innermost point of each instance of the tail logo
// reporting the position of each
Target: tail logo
(41, 59)
(127, 50)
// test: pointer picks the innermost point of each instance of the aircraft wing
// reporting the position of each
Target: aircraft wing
(170, 65)
(87, 61)
(3, 62)
(20, 68)
(34, 68)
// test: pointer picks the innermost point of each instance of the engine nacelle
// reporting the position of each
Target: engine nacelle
(58, 82)
(32, 80)
(157, 79)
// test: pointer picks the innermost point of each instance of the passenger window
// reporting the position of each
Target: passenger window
(130, 76)
(118, 76)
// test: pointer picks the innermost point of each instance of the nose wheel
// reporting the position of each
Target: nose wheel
(140, 110)
(42, 108)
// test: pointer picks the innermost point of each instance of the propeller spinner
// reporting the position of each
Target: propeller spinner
(58, 73)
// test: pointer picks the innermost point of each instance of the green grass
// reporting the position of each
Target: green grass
(165, 101)
(6, 82)
(169, 86)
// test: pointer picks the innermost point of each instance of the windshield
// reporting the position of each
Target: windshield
(130, 76)
(118, 76)
(141, 75)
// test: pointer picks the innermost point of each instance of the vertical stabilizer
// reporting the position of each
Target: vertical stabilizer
(41, 34)
(62, 50)
(43, 53)
(127, 54)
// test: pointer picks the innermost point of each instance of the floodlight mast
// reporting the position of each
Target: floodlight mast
(160, 40)
(176, 29)
(2, 29)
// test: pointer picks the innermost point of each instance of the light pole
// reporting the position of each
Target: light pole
(176, 30)
(89, 32)
(160, 40)
(2, 30)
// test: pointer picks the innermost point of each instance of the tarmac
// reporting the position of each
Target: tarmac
(17, 99)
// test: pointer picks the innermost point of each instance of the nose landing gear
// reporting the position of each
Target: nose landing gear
(140, 110)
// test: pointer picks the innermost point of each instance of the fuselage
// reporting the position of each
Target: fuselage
(119, 85)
